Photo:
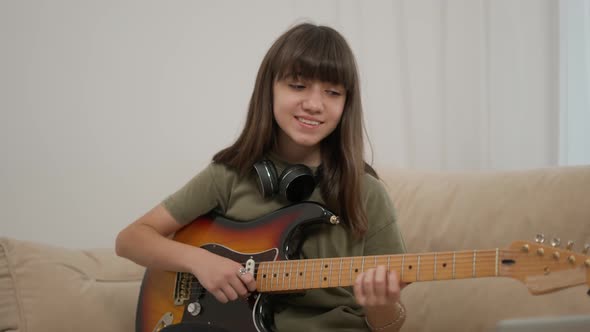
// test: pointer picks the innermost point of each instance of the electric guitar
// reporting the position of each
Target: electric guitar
(170, 301)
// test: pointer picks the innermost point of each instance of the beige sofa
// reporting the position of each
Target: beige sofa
(45, 288)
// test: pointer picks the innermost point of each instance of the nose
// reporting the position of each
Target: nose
(313, 101)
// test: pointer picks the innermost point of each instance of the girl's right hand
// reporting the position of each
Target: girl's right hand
(221, 277)
(147, 242)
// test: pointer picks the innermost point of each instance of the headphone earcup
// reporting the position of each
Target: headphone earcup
(296, 183)
(267, 178)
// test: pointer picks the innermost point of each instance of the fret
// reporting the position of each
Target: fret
(261, 273)
(321, 276)
(269, 276)
(330, 274)
(284, 273)
(290, 274)
(434, 273)
(297, 276)
(474, 255)
(402, 267)
(396, 263)
(312, 273)
(496, 262)
(410, 266)
(351, 260)
(363, 264)
(304, 273)
(454, 260)
(426, 270)
(271, 267)
(418, 269)
(340, 273)
(443, 268)
(388, 262)
(484, 265)
(273, 277)
(258, 276)
(277, 274)
(376, 262)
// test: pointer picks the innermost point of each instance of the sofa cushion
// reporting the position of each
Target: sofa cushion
(42, 285)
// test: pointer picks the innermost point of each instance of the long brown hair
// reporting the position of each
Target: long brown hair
(312, 52)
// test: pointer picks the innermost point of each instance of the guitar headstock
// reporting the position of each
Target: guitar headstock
(546, 268)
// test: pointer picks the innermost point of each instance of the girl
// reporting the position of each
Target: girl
(305, 115)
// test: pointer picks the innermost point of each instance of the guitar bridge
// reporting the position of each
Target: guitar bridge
(182, 288)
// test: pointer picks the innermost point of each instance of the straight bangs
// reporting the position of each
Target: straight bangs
(323, 56)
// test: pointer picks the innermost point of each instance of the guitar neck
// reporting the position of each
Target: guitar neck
(305, 274)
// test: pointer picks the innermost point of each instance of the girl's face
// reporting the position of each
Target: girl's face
(306, 111)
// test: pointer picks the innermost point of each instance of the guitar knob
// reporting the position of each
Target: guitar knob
(194, 308)
(540, 238)
(586, 248)
(570, 245)
(555, 242)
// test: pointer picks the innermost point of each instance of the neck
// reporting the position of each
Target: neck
(342, 271)
(296, 154)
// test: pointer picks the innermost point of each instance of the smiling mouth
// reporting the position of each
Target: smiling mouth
(308, 122)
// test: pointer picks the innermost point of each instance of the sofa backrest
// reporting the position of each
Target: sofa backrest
(449, 211)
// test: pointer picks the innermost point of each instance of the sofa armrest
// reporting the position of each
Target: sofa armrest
(47, 288)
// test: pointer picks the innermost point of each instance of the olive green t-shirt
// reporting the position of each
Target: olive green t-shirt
(220, 188)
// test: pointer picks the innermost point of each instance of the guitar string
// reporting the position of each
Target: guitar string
(423, 264)
(426, 268)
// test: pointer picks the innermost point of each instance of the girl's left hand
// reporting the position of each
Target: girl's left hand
(377, 287)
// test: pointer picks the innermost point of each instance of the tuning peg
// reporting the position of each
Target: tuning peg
(540, 238)
(570, 245)
(555, 242)
(586, 248)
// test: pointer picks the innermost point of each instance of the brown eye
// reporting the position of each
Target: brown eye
(297, 86)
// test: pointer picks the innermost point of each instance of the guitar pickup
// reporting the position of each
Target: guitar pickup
(182, 288)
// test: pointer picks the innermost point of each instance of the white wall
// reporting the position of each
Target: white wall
(109, 106)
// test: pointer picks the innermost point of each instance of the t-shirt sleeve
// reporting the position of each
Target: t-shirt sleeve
(197, 197)
(383, 236)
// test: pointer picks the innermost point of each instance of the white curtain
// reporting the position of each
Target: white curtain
(459, 84)
(574, 61)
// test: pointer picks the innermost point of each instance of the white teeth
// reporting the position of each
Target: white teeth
(309, 122)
